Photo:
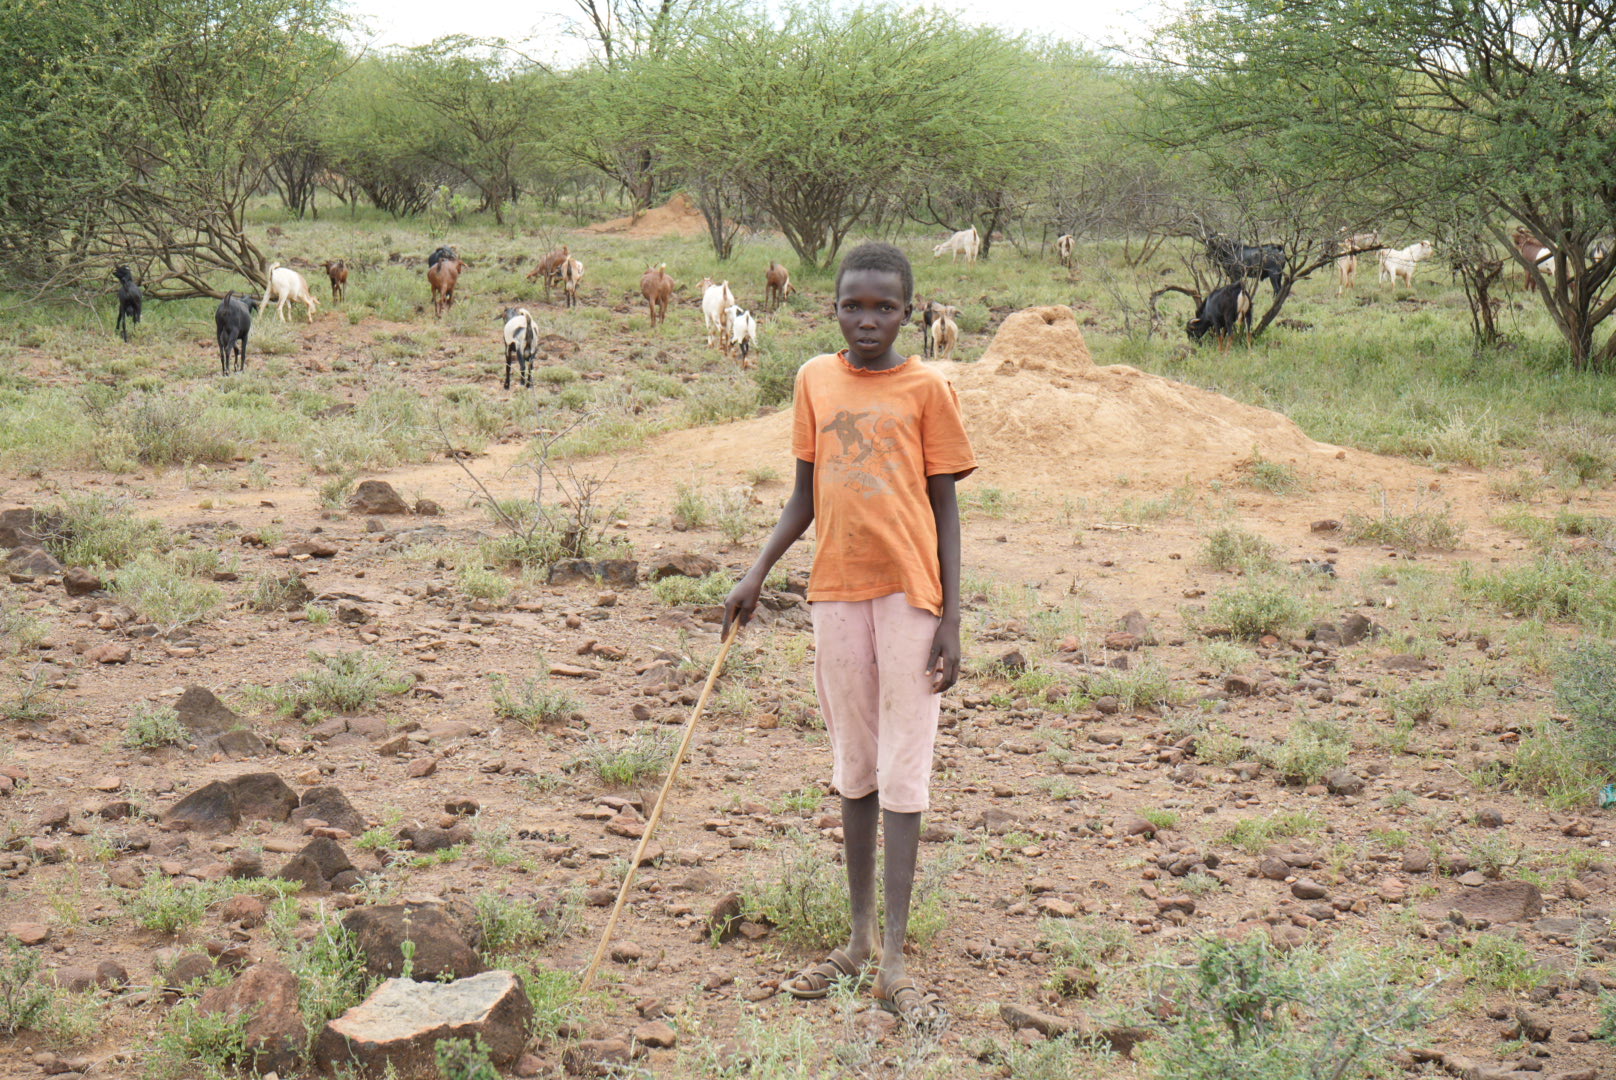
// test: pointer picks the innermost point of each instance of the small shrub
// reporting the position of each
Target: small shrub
(1607, 1017)
(1148, 685)
(1554, 587)
(285, 593)
(512, 925)
(691, 510)
(1432, 530)
(678, 589)
(531, 704)
(168, 905)
(343, 682)
(556, 995)
(1254, 834)
(190, 1040)
(481, 583)
(171, 429)
(717, 400)
(1308, 753)
(464, 1059)
(335, 491)
(154, 726)
(1271, 476)
(1081, 952)
(1159, 817)
(1226, 656)
(25, 999)
(153, 586)
(1585, 683)
(99, 532)
(642, 755)
(1255, 608)
(32, 704)
(1501, 963)
(776, 375)
(734, 515)
(1233, 548)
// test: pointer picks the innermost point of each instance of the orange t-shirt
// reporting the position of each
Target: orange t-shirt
(874, 437)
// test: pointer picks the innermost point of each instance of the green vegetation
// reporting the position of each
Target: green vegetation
(154, 726)
(1256, 607)
(640, 756)
(464, 1059)
(97, 532)
(1230, 547)
(1432, 530)
(1311, 750)
(678, 589)
(169, 905)
(1497, 962)
(1253, 834)
(155, 586)
(531, 704)
(341, 682)
(1082, 953)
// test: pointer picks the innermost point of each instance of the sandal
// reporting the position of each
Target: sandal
(917, 1008)
(830, 971)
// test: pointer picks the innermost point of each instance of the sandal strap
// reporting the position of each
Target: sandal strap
(838, 965)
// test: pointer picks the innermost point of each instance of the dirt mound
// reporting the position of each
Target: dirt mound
(676, 217)
(1043, 416)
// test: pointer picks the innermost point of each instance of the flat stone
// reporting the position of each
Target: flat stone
(1308, 889)
(201, 713)
(1501, 902)
(327, 803)
(1343, 782)
(657, 1035)
(263, 797)
(80, 582)
(113, 652)
(211, 808)
(29, 933)
(400, 1024)
(597, 1057)
(687, 564)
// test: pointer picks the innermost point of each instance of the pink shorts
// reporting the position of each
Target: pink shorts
(875, 693)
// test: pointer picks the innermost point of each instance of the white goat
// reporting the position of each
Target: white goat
(1401, 264)
(572, 274)
(966, 242)
(521, 345)
(743, 332)
(716, 302)
(944, 332)
(284, 286)
(1063, 249)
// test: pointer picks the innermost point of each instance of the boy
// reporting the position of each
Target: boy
(879, 445)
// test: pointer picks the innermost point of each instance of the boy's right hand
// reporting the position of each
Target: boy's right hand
(741, 602)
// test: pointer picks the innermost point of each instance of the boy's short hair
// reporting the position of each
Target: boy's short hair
(882, 257)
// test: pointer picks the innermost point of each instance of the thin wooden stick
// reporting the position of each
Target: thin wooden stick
(662, 798)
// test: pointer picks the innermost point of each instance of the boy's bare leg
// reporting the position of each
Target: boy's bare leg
(903, 845)
(860, 820)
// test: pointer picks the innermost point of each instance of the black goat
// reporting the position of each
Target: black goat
(1239, 261)
(444, 252)
(130, 300)
(232, 321)
(1227, 307)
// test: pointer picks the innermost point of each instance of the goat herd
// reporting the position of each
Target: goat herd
(733, 330)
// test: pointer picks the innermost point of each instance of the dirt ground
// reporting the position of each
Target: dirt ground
(1036, 808)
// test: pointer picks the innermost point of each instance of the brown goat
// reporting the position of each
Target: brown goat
(572, 275)
(776, 286)
(550, 268)
(442, 278)
(338, 273)
(657, 288)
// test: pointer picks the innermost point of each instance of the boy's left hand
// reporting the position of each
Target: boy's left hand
(944, 664)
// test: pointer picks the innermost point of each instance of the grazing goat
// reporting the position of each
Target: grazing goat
(1266, 262)
(966, 242)
(1536, 253)
(716, 302)
(742, 332)
(130, 300)
(521, 345)
(1220, 313)
(286, 285)
(572, 275)
(444, 252)
(442, 277)
(926, 314)
(1063, 249)
(657, 288)
(944, 331)
(776, 286)
(550, 268)
(338, 273)
(1401, 263)
(231, 322)
(1346, 264)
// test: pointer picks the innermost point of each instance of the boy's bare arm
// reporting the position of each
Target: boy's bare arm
(795, 518)
(944, 664)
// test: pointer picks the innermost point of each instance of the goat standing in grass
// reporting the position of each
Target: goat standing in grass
(716, 302)
(232, 322)
(657, 288)
(521, 345)
(338, 273)
(944, 331)
(776, 286)
(572, 275)
(925, 315)
(1064, 246)
(130, 300)
(442, 276)
(550, 268)
(285, 286)
(742, 333)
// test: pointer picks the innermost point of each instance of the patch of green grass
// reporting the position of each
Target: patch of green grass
(341, 682)
(170, 905)
(691, 510)
(640, 756)
(1082, 951)
(802, 801)
(100, 533)
(1412, 530)
(1309, 752)
(987, 502)
(513, 925)
(1159, 817)
(1497, 962)
(1150, 684)
(1553, 588)
(1252, 835)
(1230, 547)
(1585, 683)
(191, 1042)
(532, 703)
(678, 589)
(481, 583)
(1256, 607)
(33, 703)
(154, 586)
(1274, 477)
(715, 400)
(153, 726)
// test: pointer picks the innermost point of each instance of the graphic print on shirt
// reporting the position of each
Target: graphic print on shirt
(870, 451)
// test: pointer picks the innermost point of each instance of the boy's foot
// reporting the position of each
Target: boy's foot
(815, 982)
(917, 1008)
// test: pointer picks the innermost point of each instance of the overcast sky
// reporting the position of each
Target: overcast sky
(1095, 23)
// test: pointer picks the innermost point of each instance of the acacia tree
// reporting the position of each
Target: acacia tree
(817, 115)
(1508, 101)
(176, 106)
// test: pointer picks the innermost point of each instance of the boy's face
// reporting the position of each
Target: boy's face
(871, 309)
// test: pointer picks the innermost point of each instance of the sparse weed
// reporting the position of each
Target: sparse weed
(99, 532)
(1497, 962)
(1253, 834)
(1081, 952)
(1256, 607)
(1309, 752)
(531, 704)
(691, 510)
(678, 589)
(987, 502)
(513, 925)
(154, 726)
(1274, 477)
(1230, 547)
(153, 586)
(643, 755)
(1414, 530)
(1553, 587)
(340, 682)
